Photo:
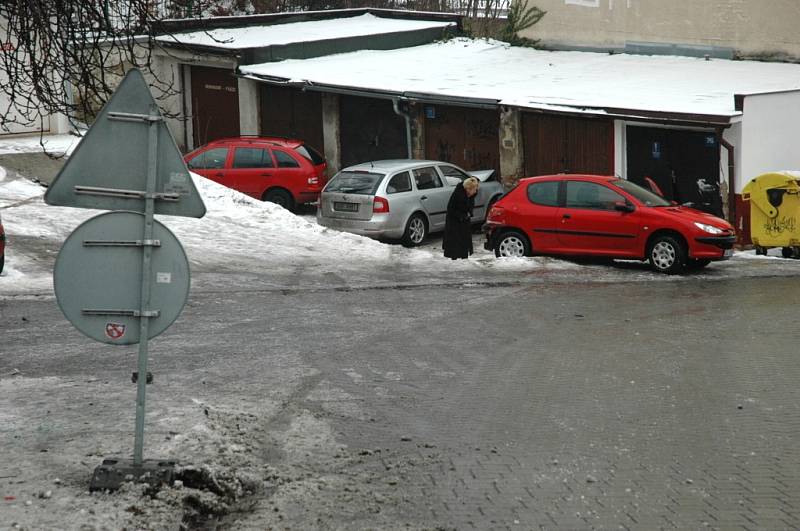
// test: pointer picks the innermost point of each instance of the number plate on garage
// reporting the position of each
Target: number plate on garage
(345, 207)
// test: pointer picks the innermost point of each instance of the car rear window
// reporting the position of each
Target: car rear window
(545, 193)
(285, 160)
(355, 182)
(311, 154)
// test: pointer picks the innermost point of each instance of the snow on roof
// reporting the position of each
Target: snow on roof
(295, 32)
(530, 78)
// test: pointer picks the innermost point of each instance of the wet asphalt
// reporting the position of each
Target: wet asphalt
(557, 405)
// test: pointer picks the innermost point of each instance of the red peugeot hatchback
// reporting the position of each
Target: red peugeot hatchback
(279, 170)
(592, 215)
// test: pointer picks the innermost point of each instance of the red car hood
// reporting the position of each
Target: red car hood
(692, 215)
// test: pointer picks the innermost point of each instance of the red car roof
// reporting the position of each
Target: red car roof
(272, 140)
(563, 176)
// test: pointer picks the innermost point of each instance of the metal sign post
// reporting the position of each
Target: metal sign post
(144, 321)
(104, 275)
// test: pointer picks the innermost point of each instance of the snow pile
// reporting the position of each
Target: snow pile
(56, 145)
(235, 230)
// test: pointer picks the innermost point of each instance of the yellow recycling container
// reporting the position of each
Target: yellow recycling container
(775, 212)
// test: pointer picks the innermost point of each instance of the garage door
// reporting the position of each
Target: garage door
(464, 136)
(684, 164)
(215, 104)
(370, 130)
(562, 144)
(292, 113)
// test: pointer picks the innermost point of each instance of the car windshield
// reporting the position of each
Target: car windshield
(355, 182)
(311, 154)
(646, 197)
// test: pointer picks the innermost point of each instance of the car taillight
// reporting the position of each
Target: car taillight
(380, 205)
(496, 214)
(313, 180)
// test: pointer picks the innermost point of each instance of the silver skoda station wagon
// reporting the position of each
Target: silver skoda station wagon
(399, 199)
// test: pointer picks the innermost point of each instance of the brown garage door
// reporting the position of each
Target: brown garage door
(561, 144)
(292, 113)
(370, 130)
(215, 104)
(464, 136)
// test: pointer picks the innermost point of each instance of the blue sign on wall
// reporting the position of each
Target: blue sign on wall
(656, 150)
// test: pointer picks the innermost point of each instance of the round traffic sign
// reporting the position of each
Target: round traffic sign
(98, 278)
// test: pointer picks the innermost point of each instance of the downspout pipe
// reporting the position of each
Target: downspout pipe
(731, 176)
(407, 117)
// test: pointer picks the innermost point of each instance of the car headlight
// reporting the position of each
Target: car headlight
(708, 228)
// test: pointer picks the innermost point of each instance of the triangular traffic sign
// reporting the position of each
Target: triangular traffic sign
(109, 169)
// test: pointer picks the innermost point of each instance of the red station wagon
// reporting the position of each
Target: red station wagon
(592, 215)
(282, 171)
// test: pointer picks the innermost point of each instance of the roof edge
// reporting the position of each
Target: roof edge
(193, 24)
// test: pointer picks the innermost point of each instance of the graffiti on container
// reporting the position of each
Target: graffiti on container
(778, 226)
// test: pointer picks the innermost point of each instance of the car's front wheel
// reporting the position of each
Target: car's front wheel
(667, 254)
(512, 243)
(416, 231)
(279, 197)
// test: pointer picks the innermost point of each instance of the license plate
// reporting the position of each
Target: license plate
(345, 207)
(727, 253)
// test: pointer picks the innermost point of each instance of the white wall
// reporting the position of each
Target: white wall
(769, 136)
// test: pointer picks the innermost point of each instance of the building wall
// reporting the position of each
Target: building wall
(769, 135)
(751, 28)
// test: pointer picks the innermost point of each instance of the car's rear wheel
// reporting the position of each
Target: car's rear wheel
(512, 243)
(416, 231)
(279, 197)
(2, 262)
(667, 254)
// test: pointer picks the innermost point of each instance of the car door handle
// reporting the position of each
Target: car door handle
(219, 174)
(567, 216)
(266, 175)
(424, 197)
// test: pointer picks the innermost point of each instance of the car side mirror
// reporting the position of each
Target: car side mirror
(624, 206)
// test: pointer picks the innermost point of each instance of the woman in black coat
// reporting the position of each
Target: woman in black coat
(457, 241)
